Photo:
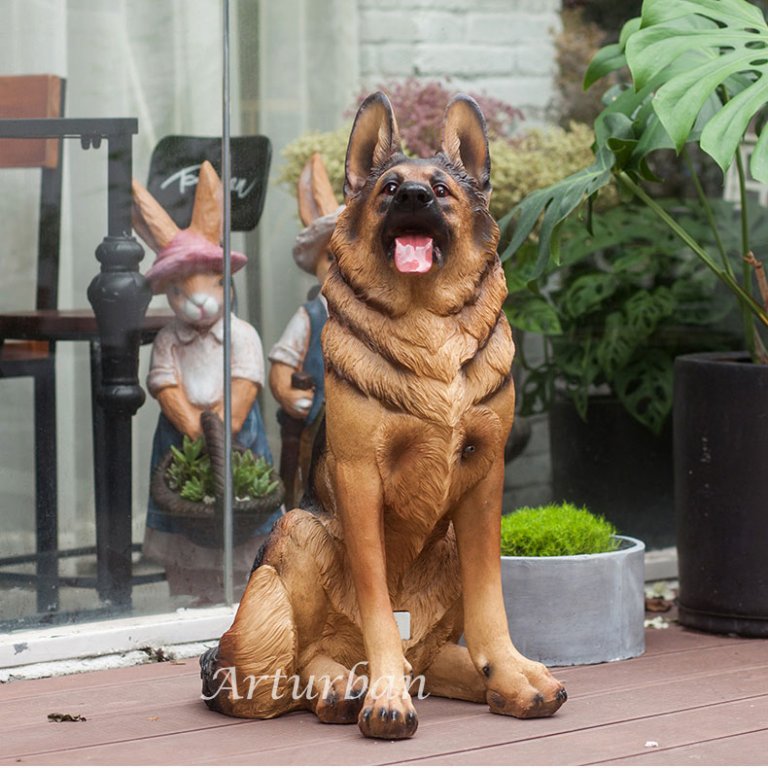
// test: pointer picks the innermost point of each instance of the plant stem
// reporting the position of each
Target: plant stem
(744, 297)
(704, 200)
(749, 326)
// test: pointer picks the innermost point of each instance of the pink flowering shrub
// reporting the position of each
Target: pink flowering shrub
(419, 107)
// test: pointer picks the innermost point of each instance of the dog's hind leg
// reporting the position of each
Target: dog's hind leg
(453, 675)
(334, 692)
(251, 672)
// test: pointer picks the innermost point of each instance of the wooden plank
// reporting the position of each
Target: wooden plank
(29, 96)
(30, 689)
(610, 744)
(676, 638)
(745, 749)
(152, 714)
(121, 720)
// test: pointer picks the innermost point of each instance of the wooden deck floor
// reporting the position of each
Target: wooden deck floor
(691, 699)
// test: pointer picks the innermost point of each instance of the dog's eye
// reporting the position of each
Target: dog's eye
(390, 188)
(440, 190)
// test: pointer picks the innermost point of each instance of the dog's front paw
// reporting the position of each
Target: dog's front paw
(532, 691)
(340, 703)
(390, 716)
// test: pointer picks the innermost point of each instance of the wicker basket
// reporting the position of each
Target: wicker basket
(203, 523)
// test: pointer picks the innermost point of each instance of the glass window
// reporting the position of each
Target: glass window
(75, 482)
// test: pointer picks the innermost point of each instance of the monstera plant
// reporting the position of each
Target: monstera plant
(625, 300)
(699, 75)
(699, 71)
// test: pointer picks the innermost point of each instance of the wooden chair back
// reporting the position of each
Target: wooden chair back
(37, 96)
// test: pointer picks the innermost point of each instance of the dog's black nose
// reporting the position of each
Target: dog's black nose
(411, 196)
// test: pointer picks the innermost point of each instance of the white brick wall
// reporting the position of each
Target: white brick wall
(503, 48)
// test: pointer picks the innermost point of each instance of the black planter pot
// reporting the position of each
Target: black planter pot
(721, 492)
(615, 467)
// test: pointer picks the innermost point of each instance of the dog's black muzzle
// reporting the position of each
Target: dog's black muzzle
(414, 210)
(412, 197)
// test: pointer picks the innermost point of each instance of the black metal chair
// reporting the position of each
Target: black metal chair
(39, 96)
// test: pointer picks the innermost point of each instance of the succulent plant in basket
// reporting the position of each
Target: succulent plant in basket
(189, 485)
(190, 472)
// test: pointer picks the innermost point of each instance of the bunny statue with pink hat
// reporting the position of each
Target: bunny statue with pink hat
(186, 374)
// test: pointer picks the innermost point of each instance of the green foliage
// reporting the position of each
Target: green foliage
(628, 298)
(536, 159)
(251, 476)
(555, 530)
(724, 43)
(700, 75)
(191, 474)
(520, 163)
(190, 471)
(331, 146)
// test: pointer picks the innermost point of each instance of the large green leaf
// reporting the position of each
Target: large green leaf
(587, 293)
(618, 344)
(553, 205)
(645, 389)
(725, 11)
(532, 313)
(625, 132)
(611, 57)
(645, 309)
(724, 44)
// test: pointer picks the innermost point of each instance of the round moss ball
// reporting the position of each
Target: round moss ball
(555, 530)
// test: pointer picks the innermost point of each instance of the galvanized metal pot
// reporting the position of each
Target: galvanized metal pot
(578, 609)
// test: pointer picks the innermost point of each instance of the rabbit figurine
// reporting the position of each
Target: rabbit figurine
(186, 373)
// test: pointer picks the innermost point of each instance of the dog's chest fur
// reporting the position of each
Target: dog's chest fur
(433, 384)
(433, 366)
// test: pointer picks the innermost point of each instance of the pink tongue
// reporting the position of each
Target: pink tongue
(413, 253)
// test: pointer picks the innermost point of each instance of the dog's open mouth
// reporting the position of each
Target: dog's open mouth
(414, 254)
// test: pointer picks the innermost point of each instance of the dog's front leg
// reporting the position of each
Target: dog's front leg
(515, 685)
(387, 712)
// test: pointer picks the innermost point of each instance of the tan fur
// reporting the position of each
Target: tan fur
(419, 403)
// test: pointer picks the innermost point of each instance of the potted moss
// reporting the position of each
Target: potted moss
(573, 589)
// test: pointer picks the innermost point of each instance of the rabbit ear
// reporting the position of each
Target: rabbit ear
(314, 191)
(206, 215)
(150, 220)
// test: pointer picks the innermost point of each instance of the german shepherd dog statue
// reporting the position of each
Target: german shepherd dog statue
(407, 489)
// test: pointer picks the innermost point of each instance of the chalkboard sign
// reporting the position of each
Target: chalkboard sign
(174, 168)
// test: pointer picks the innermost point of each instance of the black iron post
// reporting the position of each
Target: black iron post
(119, 295)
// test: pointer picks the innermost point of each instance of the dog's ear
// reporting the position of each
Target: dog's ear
(465, 140)
(374, 139)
